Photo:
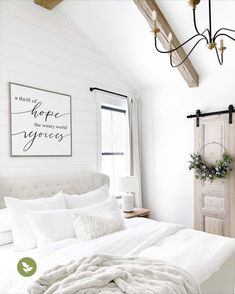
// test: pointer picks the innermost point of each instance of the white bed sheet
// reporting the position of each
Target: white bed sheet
(142, 237)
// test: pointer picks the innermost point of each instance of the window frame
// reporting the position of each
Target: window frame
(115, 110)
(116, 104)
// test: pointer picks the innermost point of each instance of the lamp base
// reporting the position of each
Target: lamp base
(128, 202)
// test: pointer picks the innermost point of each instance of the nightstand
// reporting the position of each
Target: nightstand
(138, 212)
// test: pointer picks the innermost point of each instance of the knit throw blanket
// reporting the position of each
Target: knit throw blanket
(107, 274)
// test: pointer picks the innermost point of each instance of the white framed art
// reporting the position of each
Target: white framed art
(41, 122)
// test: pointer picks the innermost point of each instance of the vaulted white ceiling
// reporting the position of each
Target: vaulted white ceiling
(121, 32)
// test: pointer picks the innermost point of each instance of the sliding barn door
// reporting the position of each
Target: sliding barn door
(215, 202)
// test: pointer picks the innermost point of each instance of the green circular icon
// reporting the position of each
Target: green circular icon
(26, 267)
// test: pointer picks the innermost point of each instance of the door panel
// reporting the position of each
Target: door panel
(212, 199)
(214, 226)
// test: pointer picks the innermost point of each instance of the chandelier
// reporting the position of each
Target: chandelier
(206, 36)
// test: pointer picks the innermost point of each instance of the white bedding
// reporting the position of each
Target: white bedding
(199, 253)
(185, 248)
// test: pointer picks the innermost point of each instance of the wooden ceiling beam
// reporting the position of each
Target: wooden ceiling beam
(187, 70)
(48, 4)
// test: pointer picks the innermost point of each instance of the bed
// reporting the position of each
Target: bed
(208, 258)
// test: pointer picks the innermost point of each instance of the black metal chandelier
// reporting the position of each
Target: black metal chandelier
(206, 36)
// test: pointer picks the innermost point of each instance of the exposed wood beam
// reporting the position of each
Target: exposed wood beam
(187, 70)
(48, 4)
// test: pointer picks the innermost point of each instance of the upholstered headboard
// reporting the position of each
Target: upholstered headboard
(36, 187)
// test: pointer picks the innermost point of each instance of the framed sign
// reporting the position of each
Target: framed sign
(41, 123)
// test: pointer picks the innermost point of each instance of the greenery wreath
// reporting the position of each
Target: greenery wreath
(205, 171)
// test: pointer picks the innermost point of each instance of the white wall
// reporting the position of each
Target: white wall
(168, 141)
(43, 49)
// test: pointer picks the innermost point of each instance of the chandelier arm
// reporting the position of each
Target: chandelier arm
(225, 36)
(222, 29)
(195, 25)
(206, 30)
(220, 59)
(173, 50)
(194, 20)
(171, 62)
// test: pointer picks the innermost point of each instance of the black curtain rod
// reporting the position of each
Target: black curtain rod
(198, 114)
(106, 91)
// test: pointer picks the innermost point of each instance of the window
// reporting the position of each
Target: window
(114, 142)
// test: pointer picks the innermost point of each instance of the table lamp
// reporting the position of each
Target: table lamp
(128, 185)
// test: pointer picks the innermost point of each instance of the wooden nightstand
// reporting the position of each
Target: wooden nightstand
(138, 212)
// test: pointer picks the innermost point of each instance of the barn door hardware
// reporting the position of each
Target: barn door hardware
(199, 114)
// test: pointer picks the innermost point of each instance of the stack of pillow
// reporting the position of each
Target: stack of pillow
(38, 222)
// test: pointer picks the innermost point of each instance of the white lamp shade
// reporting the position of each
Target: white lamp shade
(128, 184)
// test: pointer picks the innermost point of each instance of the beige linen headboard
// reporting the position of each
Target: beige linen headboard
(37, 187)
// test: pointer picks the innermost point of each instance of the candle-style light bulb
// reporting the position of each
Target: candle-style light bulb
(170, 40)
(154, 19)
(222, 48)
(154, 15)
(221, 43)
(170, 37)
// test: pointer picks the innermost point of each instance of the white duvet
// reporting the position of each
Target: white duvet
(198, 253)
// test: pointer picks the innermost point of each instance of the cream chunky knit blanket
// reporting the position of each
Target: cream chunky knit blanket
(107, 274)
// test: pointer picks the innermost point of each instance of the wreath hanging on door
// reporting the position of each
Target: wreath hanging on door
(205, 171)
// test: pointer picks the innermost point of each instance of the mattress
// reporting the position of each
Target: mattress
(199, 253)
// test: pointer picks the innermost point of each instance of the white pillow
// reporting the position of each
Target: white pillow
(98, 220)
(22, 232)
(87, 199)
(4, 220)
(51, 225)
(89, 227)
(6, 238)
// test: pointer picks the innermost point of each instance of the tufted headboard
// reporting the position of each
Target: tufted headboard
(36, 187)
